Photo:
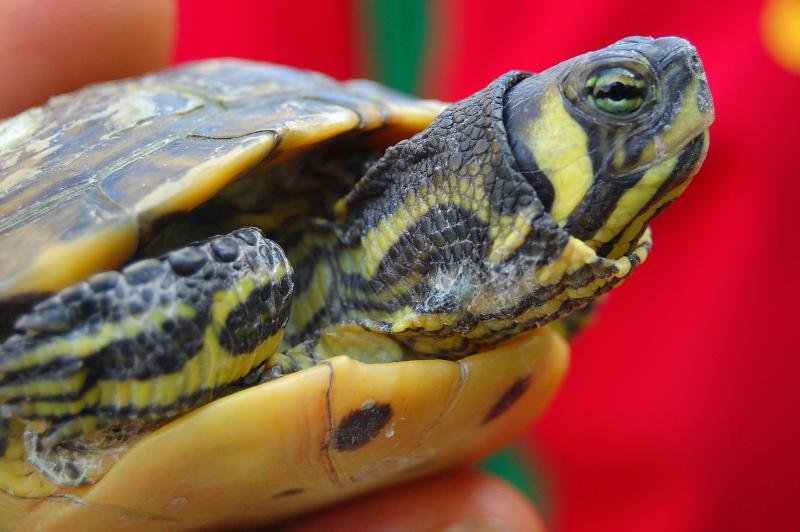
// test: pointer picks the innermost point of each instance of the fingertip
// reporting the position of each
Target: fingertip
(458, 501)
(52, 47)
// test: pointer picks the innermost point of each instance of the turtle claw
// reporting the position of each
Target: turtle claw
(70, 463)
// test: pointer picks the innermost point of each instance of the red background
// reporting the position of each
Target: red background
(680, 411)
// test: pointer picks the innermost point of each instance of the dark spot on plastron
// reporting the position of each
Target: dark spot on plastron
(288, 493)
(507, 400)
(360, 426)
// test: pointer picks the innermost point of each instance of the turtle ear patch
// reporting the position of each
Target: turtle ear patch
(507, 400)
(362, 425)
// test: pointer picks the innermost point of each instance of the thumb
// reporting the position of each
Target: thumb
(457, 501)
(52, 47)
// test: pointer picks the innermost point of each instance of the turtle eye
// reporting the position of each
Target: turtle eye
(616, 90)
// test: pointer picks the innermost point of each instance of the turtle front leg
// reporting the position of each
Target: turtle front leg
(156, 339)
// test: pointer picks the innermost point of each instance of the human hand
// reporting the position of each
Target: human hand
(52, 47)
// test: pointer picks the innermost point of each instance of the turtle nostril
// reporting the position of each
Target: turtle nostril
(694, 63)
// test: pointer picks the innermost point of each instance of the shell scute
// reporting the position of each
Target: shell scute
(93, 172)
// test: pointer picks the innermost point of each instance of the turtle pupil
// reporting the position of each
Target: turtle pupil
(619, 91)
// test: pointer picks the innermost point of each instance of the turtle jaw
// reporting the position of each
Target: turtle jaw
(670, 176)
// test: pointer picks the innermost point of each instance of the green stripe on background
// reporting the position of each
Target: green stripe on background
(396, 41)
(513, 465)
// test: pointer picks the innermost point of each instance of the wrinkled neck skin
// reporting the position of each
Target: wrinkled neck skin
(444, 244)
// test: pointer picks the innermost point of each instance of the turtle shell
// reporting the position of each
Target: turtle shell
(87, 178)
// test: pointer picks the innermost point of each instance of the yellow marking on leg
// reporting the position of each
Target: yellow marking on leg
(49, 408)
(142, 393)
(219, 367)
(211, 368)
(41, 388)
(86, 345)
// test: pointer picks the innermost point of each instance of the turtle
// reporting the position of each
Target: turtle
(234, 291)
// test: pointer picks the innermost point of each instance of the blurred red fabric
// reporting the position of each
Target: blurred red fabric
(319, 35)
(680, 411)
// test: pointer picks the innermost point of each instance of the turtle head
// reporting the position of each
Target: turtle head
(603, 142)
(530, 198)
(608, 139)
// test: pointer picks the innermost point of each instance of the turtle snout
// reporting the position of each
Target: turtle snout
(677, 58)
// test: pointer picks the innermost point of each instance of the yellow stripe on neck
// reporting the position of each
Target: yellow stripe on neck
(632, 201)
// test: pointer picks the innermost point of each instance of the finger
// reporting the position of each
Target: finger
(457, 501)
(50, 47)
